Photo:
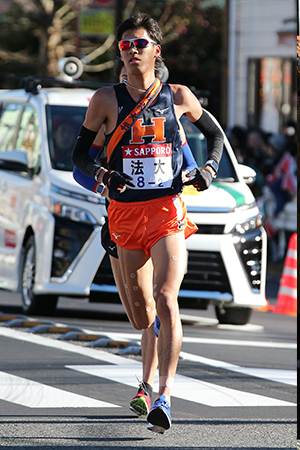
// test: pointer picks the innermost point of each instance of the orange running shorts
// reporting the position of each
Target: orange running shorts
(139, 225)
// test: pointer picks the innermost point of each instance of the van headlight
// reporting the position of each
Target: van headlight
(97, 199)
(71, 212)
(251, 224)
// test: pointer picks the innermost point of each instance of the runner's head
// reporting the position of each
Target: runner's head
(146, 22)
(141, 20)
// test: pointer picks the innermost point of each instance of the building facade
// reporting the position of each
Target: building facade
(262, 63)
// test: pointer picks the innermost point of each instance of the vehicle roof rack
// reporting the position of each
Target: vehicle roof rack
(32, 84)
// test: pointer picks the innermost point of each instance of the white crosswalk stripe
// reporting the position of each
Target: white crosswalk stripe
(37, 395)
(280, 376)
(185, 388)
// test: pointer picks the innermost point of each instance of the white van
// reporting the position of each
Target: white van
(50, 226)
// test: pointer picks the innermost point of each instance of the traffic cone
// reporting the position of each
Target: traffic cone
(287, 293)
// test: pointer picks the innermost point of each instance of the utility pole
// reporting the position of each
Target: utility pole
(77, 31)
(232, 61)
(118, 21)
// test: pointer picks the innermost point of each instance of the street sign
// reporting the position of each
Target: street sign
(96, 21)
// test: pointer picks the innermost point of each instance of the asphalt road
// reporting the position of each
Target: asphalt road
(235, 385)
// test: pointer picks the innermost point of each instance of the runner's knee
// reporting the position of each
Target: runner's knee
(133, 322)
(167, 307)
(143, 321)
(137, 320)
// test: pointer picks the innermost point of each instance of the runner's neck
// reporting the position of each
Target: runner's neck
(133, 87)
(139, 85)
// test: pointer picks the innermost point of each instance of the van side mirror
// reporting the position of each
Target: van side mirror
(14, 160)
(248, 174)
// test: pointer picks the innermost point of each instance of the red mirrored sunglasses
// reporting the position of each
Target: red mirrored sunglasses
(136, 43)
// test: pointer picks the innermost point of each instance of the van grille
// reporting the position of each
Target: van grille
(206, 272)
(104, 273)
(69, 238)
(210, 229)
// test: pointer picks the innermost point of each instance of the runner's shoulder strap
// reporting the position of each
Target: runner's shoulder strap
(124, 126)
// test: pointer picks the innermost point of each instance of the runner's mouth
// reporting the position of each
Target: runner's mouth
(134, 60)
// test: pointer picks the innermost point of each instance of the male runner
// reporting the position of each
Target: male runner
(141, 402)
(146, 214)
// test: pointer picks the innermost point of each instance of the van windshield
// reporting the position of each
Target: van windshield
(63, 125)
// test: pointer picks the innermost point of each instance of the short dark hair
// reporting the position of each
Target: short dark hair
(143, 20)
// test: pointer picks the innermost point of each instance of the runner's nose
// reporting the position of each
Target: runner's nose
(132, 47)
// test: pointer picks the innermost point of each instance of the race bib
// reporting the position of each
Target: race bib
(149, 165)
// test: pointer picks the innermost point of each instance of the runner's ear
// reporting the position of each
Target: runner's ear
(157, 50)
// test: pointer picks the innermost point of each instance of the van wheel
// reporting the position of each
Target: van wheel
(233, 315)
(31, 303)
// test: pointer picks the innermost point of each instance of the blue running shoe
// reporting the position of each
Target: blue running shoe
(159, 418)
(156, 326)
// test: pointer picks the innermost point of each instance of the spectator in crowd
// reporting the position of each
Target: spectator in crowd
(237, 137)
(274, 149)
(290, 133)
(255, 156)
(283, 179)
(281, 188)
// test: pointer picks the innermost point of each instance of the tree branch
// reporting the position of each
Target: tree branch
(7, 57)
(100, 50)
(99, 67)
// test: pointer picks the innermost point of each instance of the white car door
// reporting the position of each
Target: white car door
(19, 162)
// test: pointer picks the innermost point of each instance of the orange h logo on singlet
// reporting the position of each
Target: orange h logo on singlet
(156, 129)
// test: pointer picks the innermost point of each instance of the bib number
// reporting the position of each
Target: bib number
(149, 165)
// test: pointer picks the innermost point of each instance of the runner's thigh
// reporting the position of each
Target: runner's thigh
(137, 273)
(169, 262)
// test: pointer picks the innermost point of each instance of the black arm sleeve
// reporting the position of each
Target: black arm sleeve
(80, 154)
(214, 136)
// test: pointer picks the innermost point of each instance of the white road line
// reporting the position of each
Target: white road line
(36, 395)
(192, 340)
(240, 343)
(186, 388)
(100, 355)
(203, 321)
(280, 376)
(206, 341)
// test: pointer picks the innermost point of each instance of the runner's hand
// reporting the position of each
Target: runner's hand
(200, 178)
(117, 181)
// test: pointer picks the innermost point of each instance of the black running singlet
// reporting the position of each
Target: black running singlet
(150, 151)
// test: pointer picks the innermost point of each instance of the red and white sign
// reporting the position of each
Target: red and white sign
(147, 151)
(10, 238)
